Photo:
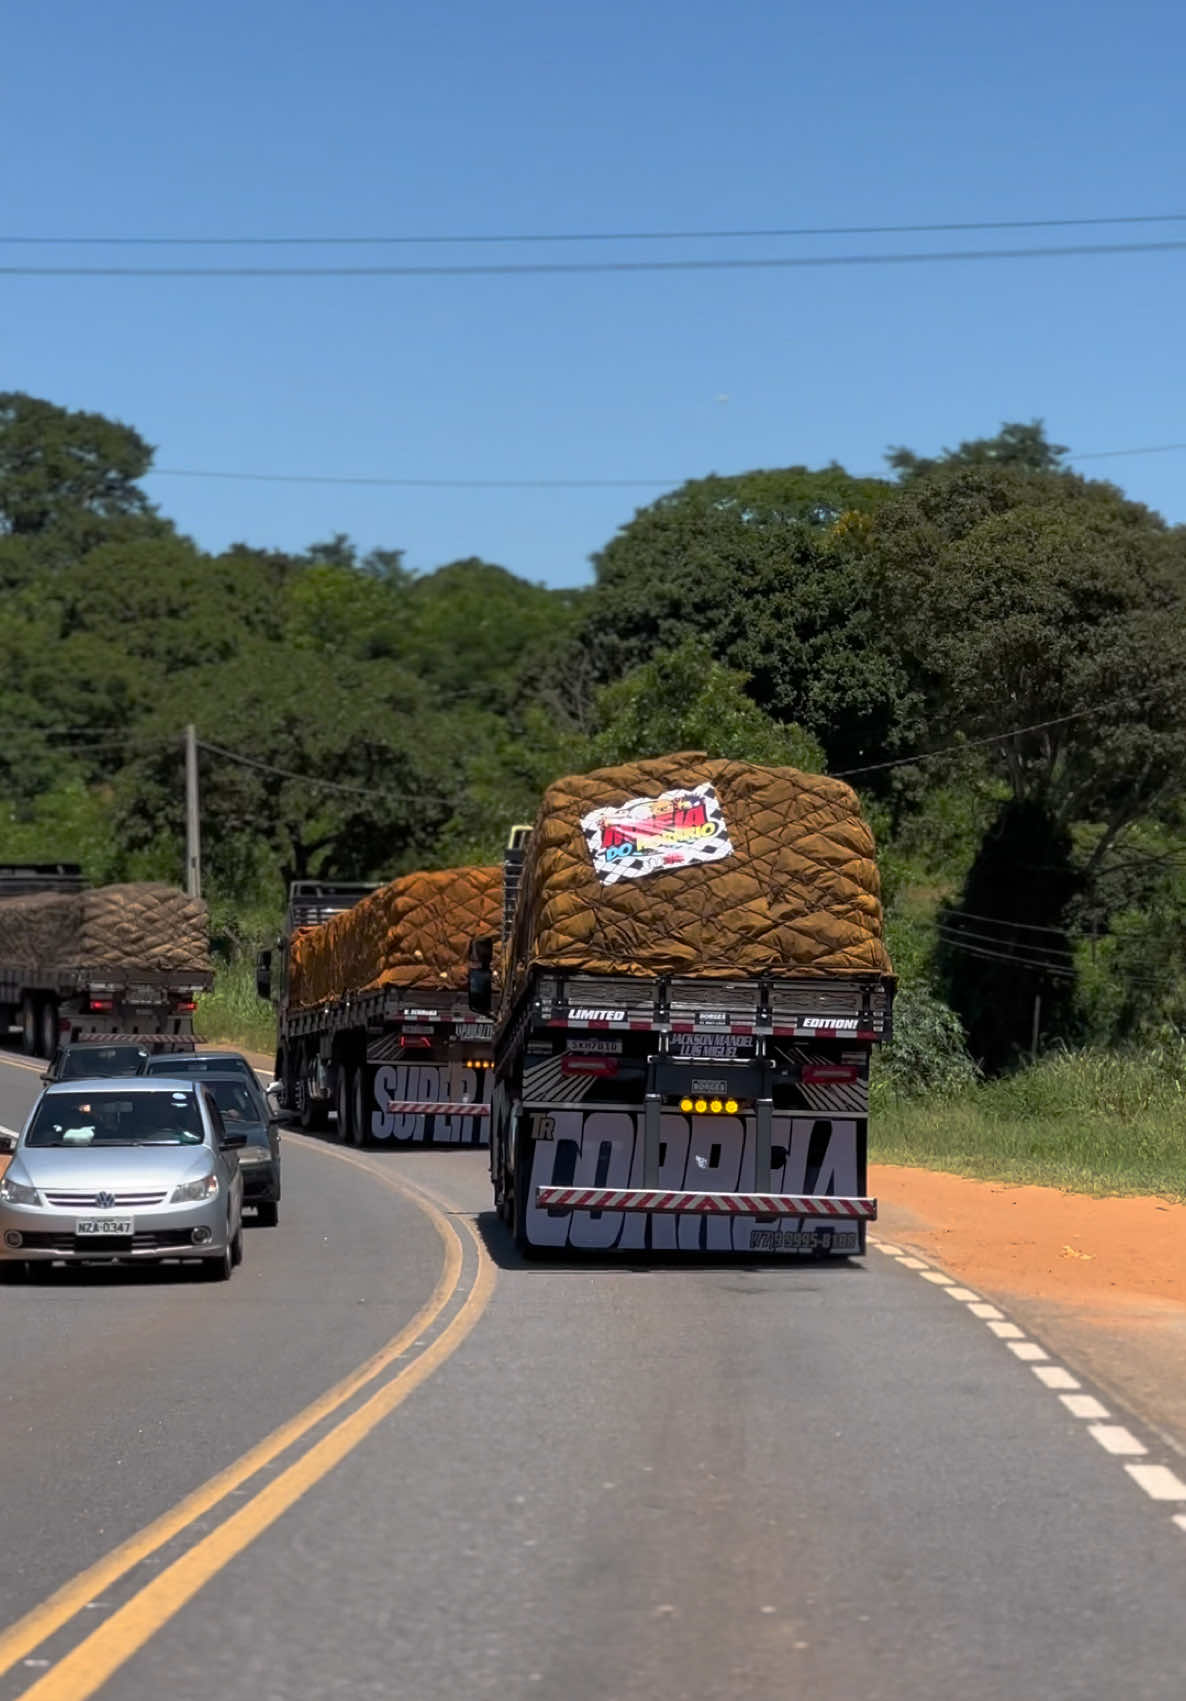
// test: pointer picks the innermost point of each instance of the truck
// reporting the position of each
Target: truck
(693, 984)
(375, 1034)
(78, 961)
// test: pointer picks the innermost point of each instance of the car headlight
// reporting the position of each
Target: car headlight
(16, 1193)
(192, 1192)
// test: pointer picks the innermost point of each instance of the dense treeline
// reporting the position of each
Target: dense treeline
(367, 720)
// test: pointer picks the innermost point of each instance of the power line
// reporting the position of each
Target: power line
(1001, 921)
(670, 482)
(955, 932)
(554, 268)
(975, 743)
(478, 238)
(423, 483)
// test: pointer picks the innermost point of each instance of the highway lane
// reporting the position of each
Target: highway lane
(702, 1483)
(121, 1391)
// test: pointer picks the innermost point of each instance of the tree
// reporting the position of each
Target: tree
(776, 584)
(685, 700)
(55, 464)
(1015, 445)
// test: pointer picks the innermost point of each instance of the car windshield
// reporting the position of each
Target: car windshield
(83, 1063)
(198, 1066)
(117, 1119)
(235, 1100)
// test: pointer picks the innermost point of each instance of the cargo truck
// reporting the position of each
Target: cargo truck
(694, 980)
(374, 1026)
(102, 961)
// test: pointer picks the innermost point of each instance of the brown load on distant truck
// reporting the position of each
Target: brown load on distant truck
(146, 927)
(695, 866)
(416, 931)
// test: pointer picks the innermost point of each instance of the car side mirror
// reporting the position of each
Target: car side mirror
(273, 1093)
(230, 1142)
(45, 1076)
(7, 1142)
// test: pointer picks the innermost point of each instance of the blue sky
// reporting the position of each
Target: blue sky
(261, 119)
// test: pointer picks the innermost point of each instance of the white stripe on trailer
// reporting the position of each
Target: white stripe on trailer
(434, 1107)
(704, 1204)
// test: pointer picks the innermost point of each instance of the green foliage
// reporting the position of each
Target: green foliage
(1094, 1122)
(387, 720)
(766, 581)
(928, 1053)
(685, 700)
(56, 466)
(1016, 445)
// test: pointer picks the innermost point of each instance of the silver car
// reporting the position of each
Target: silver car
(129, 1169)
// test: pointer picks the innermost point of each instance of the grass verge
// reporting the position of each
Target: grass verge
(233, 1013)
(1088, 1122)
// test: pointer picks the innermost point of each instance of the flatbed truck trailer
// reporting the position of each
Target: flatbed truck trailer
(394, 1066)
(687, 1115)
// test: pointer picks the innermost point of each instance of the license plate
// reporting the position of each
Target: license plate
(113, 1227)
(803, 1240)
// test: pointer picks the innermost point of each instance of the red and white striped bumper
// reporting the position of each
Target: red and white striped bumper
(434, 1107)
(703, 1204)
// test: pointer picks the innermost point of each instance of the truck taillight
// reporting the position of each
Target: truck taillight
(99, 1004)
(186, 1004)
(477, 1063)
(709, 1107)
(829, 1074)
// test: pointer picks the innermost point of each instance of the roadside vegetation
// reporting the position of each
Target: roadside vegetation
(991, 648)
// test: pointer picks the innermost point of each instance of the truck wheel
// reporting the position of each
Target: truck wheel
(49, 1028)
(342, 1104)
(359, 1126)
(311, 1112)
(28, 1024)
(520, 1192)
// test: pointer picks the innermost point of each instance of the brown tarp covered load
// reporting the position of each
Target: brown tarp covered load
(414, 932)
(771, 871)
(144, 928)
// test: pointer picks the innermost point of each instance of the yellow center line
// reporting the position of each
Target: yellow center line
(89, 1665)
(46, 1619)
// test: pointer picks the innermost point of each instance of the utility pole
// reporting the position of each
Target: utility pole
(193, 829)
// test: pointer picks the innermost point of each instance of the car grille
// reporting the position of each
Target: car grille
(119, 1201)
(51, 1240)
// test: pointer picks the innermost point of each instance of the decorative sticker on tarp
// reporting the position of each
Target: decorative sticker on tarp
(648, 835)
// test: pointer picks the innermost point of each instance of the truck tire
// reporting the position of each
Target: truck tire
(342, 1104)
(29, 1024)
(49, 1027)
(313, 1114)
(519, 1191)
(359, 1120)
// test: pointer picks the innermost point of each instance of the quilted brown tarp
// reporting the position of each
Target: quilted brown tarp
(145, 928)
(416, 931)
(798, 895)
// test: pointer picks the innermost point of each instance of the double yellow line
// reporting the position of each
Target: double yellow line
(92, 1661)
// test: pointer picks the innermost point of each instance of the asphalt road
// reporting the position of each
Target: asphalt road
(579, 1483)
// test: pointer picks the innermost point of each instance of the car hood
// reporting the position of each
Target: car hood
(130, 1168)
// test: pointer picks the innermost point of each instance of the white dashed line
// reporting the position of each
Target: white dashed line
(1054, 1376)
(1158, 1481)
(1114, 1438)
(1084, 1406)
(1027, 1351)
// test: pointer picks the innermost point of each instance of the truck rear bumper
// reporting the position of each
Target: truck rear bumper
(666, 1202)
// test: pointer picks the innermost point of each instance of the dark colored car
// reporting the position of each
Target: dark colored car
(201, 1063)
(245, 1110)
(116, 1054)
